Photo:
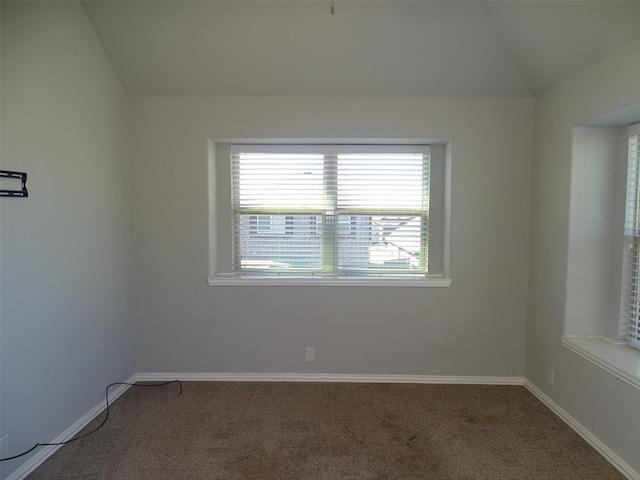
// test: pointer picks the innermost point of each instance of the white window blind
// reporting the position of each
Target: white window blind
(332, 210)
(630, 303)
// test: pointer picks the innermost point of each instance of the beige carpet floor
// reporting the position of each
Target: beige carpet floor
(238, 431)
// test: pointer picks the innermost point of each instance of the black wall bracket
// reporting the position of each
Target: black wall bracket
(22, 176)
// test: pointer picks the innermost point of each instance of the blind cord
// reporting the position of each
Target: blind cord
(99, 426)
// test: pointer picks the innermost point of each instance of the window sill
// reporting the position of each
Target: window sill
(233, 280)
(615, 357)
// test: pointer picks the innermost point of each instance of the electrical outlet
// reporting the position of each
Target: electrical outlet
(550, 376)
(311, 354)
(4, 446)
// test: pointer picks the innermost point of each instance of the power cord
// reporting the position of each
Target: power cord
(103, 421)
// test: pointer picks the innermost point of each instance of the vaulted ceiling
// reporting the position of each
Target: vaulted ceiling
(367, 48)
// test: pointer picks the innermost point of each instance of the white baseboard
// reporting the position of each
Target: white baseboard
(325, 377)
(45, 452)
(594, 441)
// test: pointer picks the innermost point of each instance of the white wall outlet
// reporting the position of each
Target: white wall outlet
(311, 354)
(550, 376)
(4, 446)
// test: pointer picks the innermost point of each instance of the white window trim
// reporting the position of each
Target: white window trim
(614, 356)
(252, 280)
(219, 277)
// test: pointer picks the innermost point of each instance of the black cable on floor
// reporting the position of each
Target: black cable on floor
(99, 426)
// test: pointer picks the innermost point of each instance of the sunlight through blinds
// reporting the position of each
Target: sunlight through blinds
(330, 209)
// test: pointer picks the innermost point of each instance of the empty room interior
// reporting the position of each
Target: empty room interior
(146, 234)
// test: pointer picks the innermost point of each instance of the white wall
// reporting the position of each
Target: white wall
(474, 328)
(605, 405)
(66, 250)
(591, 231)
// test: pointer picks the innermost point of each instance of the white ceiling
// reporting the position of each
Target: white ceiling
(367, 48)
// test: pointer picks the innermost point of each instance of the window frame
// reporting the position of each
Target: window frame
(220, 247)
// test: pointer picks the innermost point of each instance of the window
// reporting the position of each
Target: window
(630, 302)
(331, 210)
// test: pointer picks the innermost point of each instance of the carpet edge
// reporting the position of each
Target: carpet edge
(622, 466)
(45, 452)
(328, 378)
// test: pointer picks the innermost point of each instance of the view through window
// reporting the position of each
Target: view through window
(330, 209)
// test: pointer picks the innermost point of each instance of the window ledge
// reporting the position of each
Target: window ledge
(234, 280)
(613, 356)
